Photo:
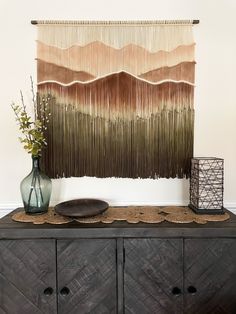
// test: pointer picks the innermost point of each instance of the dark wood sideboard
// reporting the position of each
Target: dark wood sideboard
(118, 268)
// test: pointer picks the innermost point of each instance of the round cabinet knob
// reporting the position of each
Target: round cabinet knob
(176, 291)
(48, 291)
(192, 290)
(64, 291)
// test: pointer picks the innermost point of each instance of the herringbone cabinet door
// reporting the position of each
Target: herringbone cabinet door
(87, 276)
(153, 276)
(209, 269)
(27, 268)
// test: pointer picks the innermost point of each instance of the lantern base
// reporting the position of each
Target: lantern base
(206, 211)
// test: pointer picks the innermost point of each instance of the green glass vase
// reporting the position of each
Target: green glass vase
(36, 190)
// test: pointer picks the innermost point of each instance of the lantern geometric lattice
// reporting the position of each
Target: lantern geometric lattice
(206, 185)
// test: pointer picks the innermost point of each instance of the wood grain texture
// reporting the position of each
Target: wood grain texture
(88, 269)
(27, 268)
(16, 230)
(94, 270)
(153, 267)
(120, 276)
(209, 266)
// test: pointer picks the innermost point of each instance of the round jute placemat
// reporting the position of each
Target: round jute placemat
(131, 214)
(51, 217)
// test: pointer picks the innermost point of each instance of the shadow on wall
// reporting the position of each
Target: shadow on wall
(115, 191)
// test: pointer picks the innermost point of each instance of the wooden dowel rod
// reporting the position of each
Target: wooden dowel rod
(161, 22)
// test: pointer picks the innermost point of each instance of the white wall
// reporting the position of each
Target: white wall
(215, 122)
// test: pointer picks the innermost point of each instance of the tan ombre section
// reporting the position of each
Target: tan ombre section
(152, 37)
(49, 71)
(181, 72)
(98, 59)
(184, 71)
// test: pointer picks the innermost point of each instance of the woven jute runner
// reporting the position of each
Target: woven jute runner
(131, 214)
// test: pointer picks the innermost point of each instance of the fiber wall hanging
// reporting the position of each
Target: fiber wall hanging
(123, 97)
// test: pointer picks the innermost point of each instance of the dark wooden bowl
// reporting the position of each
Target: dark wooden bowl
(83, 207)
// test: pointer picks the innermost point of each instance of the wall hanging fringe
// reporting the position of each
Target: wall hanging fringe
(123, 97)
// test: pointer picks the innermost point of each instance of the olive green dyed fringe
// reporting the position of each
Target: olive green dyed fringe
(160, 146)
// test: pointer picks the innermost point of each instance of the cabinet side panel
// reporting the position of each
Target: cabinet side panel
(27, 268)
(87, 269)
(210, 268)
(153, 267)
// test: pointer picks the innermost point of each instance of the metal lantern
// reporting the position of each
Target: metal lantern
(206, 185)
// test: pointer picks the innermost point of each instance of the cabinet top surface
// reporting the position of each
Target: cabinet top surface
(11, 229)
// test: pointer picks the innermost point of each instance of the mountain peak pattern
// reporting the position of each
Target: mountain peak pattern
(123, 99)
